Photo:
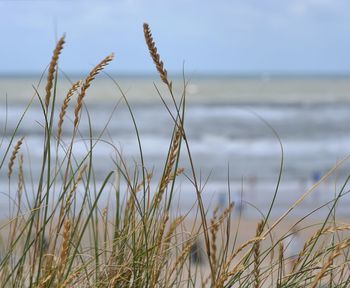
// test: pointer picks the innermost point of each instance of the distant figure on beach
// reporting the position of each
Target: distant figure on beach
(238, 201)
(252, 181)
(222, 200)
(195, 253)
(316, 176)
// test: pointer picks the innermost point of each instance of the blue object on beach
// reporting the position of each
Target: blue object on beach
(316, 176)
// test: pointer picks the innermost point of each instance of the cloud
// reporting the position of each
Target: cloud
(304, 7)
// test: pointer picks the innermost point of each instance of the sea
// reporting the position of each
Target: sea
(249, 136)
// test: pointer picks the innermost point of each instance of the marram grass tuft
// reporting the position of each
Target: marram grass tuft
(62, 237)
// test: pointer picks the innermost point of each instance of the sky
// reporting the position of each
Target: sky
(207, 36)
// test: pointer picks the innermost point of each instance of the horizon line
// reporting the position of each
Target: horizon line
(234, 74)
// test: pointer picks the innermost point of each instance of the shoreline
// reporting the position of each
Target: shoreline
(200, 90)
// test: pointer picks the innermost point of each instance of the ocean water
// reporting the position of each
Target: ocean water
(235, 127)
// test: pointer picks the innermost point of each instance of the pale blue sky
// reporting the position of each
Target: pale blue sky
(221, 36)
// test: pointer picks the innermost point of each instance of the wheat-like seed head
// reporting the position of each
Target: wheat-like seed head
(20, 185)
(161, 230)
(158, 266)
(256, 251)
(44, 281)
(96, 70)
(329, 261)
(52, 69)
(224, 276)
(318, 233)
(74, 186)
(281, 258)
(13, 156)
(215, 223)
(168, 175)
(64, 107)
(171, 230)
(214, 228)
(121, 277)
(64, 247)
(154, 54)
(239, 249)
(280, 252)
(128, 212)
(176, 173)
(144, 183)
(205, 281)
(182, 257)
(20, 178)
(225, 213)
(69, 279)
(172, 156)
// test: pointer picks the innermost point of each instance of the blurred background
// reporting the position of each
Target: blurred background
(255, 69)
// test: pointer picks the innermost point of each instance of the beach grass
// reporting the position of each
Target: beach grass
(58, 234)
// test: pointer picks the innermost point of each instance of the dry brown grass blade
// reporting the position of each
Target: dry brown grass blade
(52, 70)
(281, 262)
